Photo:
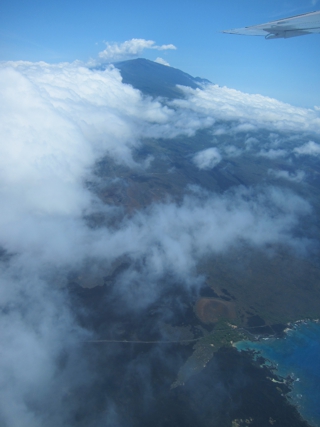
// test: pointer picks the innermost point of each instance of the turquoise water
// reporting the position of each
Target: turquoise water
(298, 354)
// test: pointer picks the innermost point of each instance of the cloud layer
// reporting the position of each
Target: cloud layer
(57, 122)
(251, 111)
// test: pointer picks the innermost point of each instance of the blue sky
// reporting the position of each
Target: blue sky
(58, 31)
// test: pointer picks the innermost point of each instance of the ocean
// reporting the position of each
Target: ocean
(297, 355)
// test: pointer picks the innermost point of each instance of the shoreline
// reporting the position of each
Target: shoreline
(292, 325)
(281, 373)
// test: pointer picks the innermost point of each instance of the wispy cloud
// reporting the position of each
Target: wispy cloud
(130, 49)
(296, 176)
(272, 153)
(311, 148)
(162, 61)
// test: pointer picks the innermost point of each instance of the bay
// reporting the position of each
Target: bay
(296, 355)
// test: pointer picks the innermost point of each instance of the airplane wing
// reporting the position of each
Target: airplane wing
(294, 26)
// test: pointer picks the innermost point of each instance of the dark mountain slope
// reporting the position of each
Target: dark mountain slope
(156, 79)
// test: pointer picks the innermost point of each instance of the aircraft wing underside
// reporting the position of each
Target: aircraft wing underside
(294, 26)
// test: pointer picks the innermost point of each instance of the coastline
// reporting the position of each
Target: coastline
(292, 325)
(278, 353)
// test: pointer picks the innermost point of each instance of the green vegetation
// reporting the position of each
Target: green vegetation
(224, 334)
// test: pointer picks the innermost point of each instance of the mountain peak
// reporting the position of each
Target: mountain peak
(156, 79)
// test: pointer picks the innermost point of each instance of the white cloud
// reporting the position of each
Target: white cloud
(232, 151)
(162, 61)
(57, 121)
(273, 154)
(252, 111)
(310, 148)
(172, 238)
(94, 109)
(220, 130)
(129, 49)
(207, 159)
(244, 127)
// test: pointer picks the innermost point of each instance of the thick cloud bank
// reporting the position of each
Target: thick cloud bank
(252, 111)
(57, 121)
